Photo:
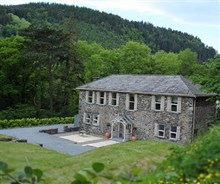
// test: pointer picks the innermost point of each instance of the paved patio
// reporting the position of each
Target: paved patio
(71, 143)
(88, 140)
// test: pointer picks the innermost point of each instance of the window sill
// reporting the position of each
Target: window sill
(131, 110)
(174, 112)
(101, 104)
(95, 124)
(173, 139)
(113, 105)
(158, 110)
(90, 103)
(160, 137)
(87, 123)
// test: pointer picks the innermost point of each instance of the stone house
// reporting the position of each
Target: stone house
(156, 107)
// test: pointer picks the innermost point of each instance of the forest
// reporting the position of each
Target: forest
(47, 50)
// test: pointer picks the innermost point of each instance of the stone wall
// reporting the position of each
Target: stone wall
(144, 118)
(205, 111)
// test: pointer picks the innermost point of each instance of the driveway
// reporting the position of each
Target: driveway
(33, 135)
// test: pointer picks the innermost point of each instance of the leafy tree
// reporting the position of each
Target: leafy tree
(209, 77)
(134, 58)
(92, 59)
(10, 71)
(166, 63)
(14, 26)
(188, 60)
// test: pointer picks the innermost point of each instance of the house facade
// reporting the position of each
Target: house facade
(164, 107)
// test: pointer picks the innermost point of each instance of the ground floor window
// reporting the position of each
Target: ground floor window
(174, 132)
(87, 118)
(95, 119)
(159, 130)
(91, 118)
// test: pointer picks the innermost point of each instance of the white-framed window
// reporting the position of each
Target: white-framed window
(159, 130)
(90, 97)
(174, 104)
(101, 98)
(87, 118)
(131, 102)
(95, 119)
(174, 132)
(157, 103)
(114, 99)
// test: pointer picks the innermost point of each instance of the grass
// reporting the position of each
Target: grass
(62, 167)
(6, 138)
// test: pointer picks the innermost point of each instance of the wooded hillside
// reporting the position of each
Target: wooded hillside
(111, 31)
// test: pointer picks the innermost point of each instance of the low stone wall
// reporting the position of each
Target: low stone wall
(50, 131)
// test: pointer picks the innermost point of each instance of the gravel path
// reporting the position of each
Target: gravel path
(33, 135)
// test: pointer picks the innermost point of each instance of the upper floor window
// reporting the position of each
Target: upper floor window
(174, 132)
(87, 118)
(159, 130)
(90, 97)
(95, 120)
(113, 99)
(131, 102)
(101, 98)
(157, 103)
(174, 104)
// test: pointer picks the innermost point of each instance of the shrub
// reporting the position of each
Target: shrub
(27, 122)
(18, 112)
(197, 163)
(28, 175)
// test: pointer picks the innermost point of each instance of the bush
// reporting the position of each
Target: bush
(197, 163)
(27, 122)
(28, 175)
(20, 111)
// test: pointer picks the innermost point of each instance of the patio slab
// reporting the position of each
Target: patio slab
(80, 138)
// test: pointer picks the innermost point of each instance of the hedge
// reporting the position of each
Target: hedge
(27, 122)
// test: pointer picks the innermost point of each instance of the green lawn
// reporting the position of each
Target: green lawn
(62, 167)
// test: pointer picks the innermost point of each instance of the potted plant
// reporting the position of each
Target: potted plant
(108, 134)
(134, 136)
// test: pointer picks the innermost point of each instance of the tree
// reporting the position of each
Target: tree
(166, 63)
(210, 76)
(134, 58)
(11, 68)
(14, 26)
(57, 69)
(188, 60)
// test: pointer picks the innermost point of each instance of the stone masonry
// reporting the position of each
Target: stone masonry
(144, 118)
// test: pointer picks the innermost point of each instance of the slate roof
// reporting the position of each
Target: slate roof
(146, 84)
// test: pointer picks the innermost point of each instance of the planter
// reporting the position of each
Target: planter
(134, 138)
(107, 135)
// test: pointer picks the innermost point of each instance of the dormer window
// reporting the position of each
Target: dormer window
(101, 98)
(90, 97)
(113, 99)
(131, 102)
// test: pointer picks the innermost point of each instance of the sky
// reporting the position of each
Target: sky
(199, 18)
